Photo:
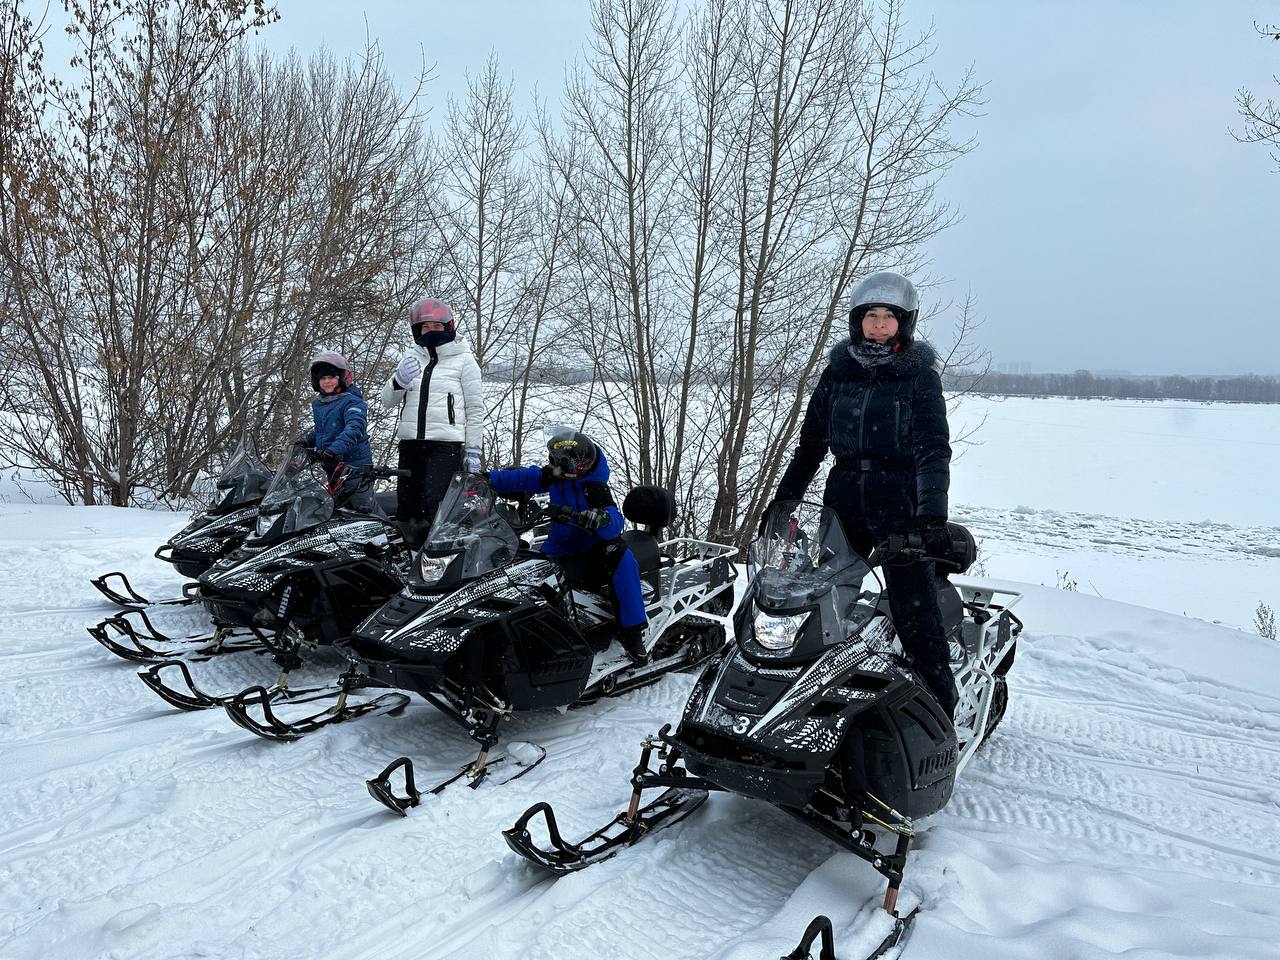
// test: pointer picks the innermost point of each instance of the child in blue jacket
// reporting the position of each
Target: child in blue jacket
(586, 526)
(341, 431)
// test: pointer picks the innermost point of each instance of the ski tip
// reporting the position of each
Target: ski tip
(380, 790)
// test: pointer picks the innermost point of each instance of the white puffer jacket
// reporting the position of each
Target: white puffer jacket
(445, 402)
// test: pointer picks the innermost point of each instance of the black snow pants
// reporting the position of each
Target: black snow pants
(913, 605)
(431, 464)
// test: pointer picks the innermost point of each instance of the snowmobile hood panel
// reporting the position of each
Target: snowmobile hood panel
(261, 570)
(770, 731)
(800, 685)
(439, 631)
(211, 536)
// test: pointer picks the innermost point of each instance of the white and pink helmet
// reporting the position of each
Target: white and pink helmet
(431, 310)
(327, 363)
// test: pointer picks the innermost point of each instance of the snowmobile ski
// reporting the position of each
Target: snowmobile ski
(901, 927)
(193, 698)
(126, 596)
(272, 727)
(476, 773)
(123, 637)
(625, 830)
(820, 927)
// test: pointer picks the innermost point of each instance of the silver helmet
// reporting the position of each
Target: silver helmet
(885, 289)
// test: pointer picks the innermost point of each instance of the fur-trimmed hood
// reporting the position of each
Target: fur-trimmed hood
(907, 362)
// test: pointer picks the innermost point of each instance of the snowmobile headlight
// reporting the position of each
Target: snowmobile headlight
(265, 522)
(778, 633)
(433, 568)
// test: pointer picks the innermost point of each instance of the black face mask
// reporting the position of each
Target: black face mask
(430, 339)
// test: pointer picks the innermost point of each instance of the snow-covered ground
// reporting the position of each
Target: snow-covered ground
(1129, 804)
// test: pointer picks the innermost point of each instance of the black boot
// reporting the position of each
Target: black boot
(943, 688)
(632, 640)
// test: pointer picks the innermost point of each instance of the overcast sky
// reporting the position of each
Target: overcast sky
(1109, 219)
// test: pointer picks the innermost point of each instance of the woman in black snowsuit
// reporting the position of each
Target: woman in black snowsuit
(878, 408)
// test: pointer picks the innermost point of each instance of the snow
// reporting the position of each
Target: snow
(1128, 805)
(1154, 459)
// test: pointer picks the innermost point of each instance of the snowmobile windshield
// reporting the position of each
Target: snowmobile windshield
(243, 480)
(468, 522)
(297, 499)
(802, 553)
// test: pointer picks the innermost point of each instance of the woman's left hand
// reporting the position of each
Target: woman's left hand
(934, 535)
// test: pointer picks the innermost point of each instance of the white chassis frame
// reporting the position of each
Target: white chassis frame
(686, 586)
(975, 673)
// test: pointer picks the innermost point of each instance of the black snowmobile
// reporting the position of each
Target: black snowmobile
(211, 534)
(488, 627)
(310, 571)
(815, 709)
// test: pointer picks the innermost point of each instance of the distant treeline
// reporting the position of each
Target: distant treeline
(1082, 383)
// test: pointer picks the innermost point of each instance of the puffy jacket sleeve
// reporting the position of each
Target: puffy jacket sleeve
(813, 443)
(355, 429)
(930, 445)
(472, 401)
(390, 395)
(519, 480)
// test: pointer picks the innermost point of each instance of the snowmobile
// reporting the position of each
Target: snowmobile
(815, 709)
(211, 534)
(245, 707)
(488, 627)
(310, 571)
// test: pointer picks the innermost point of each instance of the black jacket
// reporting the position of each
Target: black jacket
(886, 426)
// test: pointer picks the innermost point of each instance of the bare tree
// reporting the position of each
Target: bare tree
(851, 132)
(666, 261)
(618, 110)
(98, 268)
(1261, 116)
(713, 50)
(203, 220)
(484, 211)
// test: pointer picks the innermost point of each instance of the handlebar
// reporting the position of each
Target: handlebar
(384, 473)
(904, 548)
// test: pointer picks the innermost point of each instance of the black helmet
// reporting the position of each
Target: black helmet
(573, 454)
(885, 289)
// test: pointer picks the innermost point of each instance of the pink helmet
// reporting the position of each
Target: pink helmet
(430, 309)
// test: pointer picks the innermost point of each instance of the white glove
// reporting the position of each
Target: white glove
(408, 370)
(471, 460)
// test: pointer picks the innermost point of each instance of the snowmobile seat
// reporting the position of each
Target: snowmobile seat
(649, 507)
(645, 549)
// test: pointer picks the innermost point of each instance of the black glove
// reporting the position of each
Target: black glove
(549, 476)
(934, 535)
(558, 511)
(327, 459)
(595, 519)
